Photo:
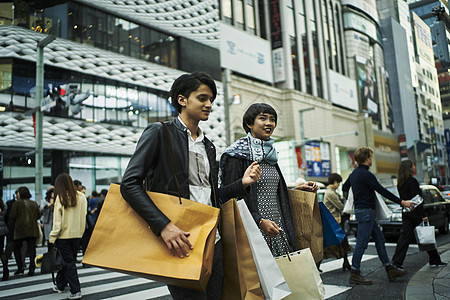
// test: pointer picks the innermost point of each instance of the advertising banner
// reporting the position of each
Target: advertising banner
(245, 53)
(367, 86)
(318, 159)
(423, 39)
(343, 90)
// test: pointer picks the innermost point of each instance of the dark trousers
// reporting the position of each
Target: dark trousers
(213, 288)
(31, 249)
(407, 237)
(68, 274)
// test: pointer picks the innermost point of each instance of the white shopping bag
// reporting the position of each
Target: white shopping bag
(425, 234)
(273, 284)
(382, 211)
(300, 272)
(349, 207)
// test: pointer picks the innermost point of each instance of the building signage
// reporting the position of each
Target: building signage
(367, 6)
(343, 90)
(275, 24)
(278, 65)
(317, 156)
(244, 53)
(423, 39)
(361, 24)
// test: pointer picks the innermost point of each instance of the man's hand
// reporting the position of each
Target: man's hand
(408, 204)
(251, 175)
(270, 228)
(176, 240)
(307, 186)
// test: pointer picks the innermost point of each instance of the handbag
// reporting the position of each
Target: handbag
(332, 231)
(425, 236)
(51, 261)
(307, 221)
(301, 274)
(273, 284)
(241, 279)
(140, 252)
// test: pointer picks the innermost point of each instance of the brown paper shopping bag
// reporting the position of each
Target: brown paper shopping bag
(307, 221)
(122, 241)
(241, 279)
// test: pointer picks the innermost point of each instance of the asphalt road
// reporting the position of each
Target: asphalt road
(372, 269)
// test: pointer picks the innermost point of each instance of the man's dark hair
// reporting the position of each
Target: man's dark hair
(24, 192)
(253, 111)
(187, 83)
(362, 154)
(334, 177)
(77, 183)
(95, 194)
(104, 192)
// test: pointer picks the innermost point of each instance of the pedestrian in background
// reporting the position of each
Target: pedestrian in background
(408, 187)
(364, 185)
(47, 213)
(3, 232)
(69, 220)
(267, 199)
(25, 213)
(334, 204)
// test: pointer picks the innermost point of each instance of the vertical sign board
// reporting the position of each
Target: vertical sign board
(275, 24)
(402, 146)
(318, 159)
(447, 144)
(277, 41)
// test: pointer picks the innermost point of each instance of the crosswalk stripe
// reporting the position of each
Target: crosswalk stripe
(149, 294)
(98, 283)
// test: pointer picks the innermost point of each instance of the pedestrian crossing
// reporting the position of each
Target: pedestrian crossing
(98, 283)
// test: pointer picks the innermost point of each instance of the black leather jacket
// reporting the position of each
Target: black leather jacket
(151, 163)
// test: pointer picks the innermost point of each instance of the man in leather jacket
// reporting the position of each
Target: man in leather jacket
(195, 159)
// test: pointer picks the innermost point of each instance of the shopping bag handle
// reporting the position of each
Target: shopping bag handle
(171, 160)
(425, 223)
(286, 244)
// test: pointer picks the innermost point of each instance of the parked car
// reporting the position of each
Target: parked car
(436, 206)
(446, 194)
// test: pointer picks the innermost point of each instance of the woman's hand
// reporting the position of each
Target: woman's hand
(270, 228)
(251, 175)
(425, 219)
(307, 186)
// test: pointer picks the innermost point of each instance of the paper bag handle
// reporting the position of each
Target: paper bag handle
(171, 161)
(286, 244)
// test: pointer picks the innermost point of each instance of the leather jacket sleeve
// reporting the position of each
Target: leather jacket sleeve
(143, 161)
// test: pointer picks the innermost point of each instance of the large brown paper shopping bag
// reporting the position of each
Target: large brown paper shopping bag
(122, 241)
(307, 221)
(241, 279)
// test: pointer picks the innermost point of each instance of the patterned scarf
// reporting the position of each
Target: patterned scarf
(253, 149)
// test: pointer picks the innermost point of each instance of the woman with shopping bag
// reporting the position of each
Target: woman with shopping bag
(334, 204)
(268, 199)
(408, 188)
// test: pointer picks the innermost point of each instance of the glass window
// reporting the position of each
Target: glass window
(239, 14)
(227, 11)
(250, 15)
(262, 19)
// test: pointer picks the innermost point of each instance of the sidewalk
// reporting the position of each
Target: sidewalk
(431, 283)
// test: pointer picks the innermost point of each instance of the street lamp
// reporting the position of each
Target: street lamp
(39, 164)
